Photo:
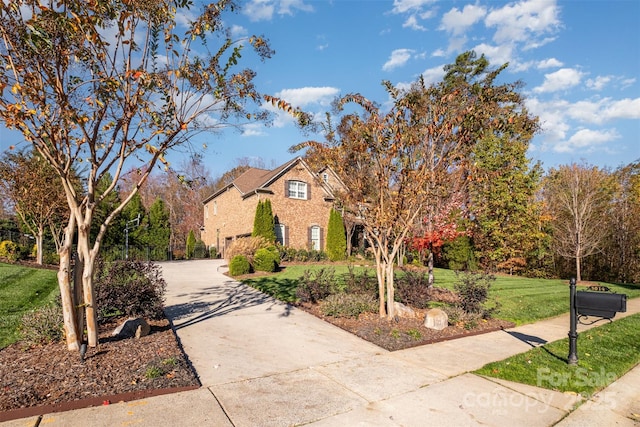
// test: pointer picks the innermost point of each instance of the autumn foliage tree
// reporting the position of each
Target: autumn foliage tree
(399, 164)
(102, 85)
(392, 165)
(37, 199)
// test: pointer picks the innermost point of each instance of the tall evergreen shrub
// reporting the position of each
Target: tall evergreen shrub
(264, 222)
(336, 237)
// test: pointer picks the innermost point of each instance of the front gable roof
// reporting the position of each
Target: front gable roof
(255, 180)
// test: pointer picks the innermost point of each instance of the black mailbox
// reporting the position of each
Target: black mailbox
(601, 304)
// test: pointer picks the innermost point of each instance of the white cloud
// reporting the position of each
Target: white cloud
(286, 7)
(519, 22)
(301, 97)
(238, 31)
(622, 109)
(412, 22)
(549, 63)
(259, 10)
(402, 6)
(456, 22)
(398, 58)
(433, 75)
(253, 129)
(598, 83)
(497, 55)
(562, 79)
(586, 140)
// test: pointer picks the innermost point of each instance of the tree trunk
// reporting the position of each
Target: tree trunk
(430, 269)
(391, 312)
(381, 281)
(39, 246)
(78, 268)
(66, 291)
(87, 259)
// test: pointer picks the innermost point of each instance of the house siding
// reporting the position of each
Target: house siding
(235, 214)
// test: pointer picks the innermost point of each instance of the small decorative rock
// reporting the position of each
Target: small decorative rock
(403, 311)
(436, 319)
(132, 327)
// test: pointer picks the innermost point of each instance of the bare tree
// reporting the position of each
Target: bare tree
(578, 198)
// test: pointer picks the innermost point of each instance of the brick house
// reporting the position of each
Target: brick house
(301, 200)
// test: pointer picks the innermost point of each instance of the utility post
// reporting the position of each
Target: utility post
(135, 222)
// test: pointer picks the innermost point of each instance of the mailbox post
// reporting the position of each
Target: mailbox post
(604, 305)
(573, 324)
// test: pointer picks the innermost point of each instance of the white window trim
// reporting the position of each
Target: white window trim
(295, 192)
(314, 241)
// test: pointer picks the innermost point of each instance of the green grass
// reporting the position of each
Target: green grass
(283, 285)
(22, 289)
(605, 354)
(521, 300)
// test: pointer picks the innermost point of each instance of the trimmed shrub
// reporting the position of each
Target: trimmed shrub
(348, 305)
(9, 250)
(473, 291)
(200, 250)
(213, 252)
(302, 255)
(129, 288)
(239, 265)
(316, 285)
(412, 288)
(43, 325)
(266, 260)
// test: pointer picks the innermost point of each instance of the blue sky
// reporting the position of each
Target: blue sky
(579, 61)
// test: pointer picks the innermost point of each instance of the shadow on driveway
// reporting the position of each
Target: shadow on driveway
(219, 301)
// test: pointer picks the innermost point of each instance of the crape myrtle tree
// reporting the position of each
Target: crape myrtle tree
(391, 163)
(98, 86)
(399, 163)
(31, 185)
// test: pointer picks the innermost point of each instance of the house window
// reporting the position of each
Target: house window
(281, 231)
(298, 190)
(315, 238)
(325, 178)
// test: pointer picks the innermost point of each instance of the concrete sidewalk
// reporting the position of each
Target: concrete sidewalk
(265, 363)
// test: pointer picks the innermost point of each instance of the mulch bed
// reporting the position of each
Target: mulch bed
(402, 333)
(49, 378)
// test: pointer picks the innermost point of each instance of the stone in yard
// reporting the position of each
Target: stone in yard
(403, 311)
(132, 327)
(436, 319)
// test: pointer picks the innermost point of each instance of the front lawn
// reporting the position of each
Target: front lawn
(522, 300)
(22, 289)
(605, 354)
